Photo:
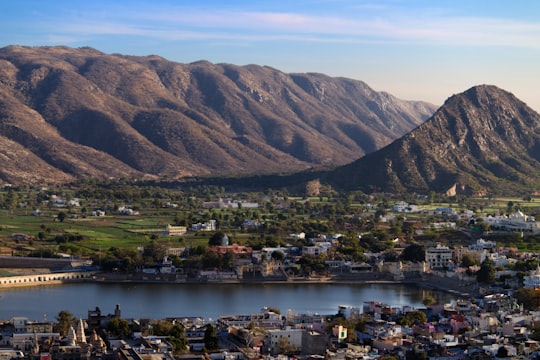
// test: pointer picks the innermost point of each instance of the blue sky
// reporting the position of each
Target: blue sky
(420, 50)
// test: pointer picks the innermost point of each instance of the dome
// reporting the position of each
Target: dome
(225, 240)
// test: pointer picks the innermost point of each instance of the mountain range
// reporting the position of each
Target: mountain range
(67, 114)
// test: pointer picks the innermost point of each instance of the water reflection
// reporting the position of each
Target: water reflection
(208, 301)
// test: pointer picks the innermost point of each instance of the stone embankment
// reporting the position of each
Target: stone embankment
(45, 279)
(21, 271)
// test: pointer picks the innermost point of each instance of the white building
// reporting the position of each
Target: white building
(318, 249)
(230, 204)
(497, 259)
(482, 244)
(306, 321)
(210, 225)
(173, 230)
(403, 207)
(517, 222)
(26, 341)
(532, 281)
(124, 210)
(439, 256)
(300, 236)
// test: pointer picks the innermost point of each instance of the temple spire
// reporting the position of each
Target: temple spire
(81, 337)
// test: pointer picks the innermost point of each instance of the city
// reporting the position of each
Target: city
(435, 247)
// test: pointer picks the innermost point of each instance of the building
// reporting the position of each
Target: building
(478, 255)
(26, 341)
(306, 321)
(230, 204)
(22, 325)
(210, 225)
(339, 333)
(176, 251)
(284, 341)
(532, 281)
(314, 343)
(516, 222)
(439, 257)
(403, 207)
(235, 248)
(265, 319)
(173, 230)
(313, 250)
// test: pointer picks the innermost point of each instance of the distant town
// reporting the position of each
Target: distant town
(482, 250)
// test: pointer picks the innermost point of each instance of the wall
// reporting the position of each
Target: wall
(42, 279)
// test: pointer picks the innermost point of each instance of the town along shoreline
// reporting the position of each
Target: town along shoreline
(426, 281)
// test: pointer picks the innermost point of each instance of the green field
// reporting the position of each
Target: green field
(97, 233)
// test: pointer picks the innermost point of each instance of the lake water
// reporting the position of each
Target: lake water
(207, 301)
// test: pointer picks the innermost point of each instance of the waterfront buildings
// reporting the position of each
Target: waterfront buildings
(455, 330)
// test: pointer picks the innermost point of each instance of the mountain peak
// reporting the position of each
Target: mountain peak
(481, 141)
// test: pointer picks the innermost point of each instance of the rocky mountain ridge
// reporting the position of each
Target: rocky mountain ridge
(67, 114)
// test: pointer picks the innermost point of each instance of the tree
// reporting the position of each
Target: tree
(119, 328)
(175, 333)
(313, 187)
(227, 260)
(284, 346)
(529, 298)
(161, 328)
(467, 260)
(211, 260)
(61, 216)
(277, 255)
(275, 310)
(413, 355)
(510, 207)
(64, 321)
(535, 332)
(210, 338)
(310, 262)
(216, 239)
(414, 252)
(180, 345)
(412, 317)
(11, 200)
(487, 271)
(428, 301)
(154, 251)
(502, 352)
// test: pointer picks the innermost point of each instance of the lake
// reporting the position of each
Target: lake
(205, 300)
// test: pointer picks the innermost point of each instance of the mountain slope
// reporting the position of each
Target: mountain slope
(82, 113)
(484, 140)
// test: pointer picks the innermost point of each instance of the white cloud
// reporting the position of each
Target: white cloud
(428, 27)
